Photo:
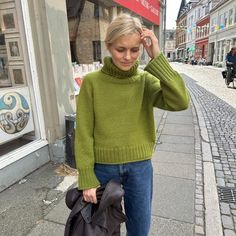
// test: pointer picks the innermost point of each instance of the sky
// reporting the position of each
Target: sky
(172, 12)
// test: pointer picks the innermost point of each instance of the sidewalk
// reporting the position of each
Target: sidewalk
(174, 187)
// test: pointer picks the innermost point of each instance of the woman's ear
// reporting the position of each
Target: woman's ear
(108, 46)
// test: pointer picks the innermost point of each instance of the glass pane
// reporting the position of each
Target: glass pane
(4, 75)
(16, 115)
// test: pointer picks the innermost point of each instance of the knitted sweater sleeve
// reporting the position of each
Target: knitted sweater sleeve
(84, 152)
(166, 87)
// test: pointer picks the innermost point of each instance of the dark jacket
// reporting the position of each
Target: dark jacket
(231, 58)
(102, 219)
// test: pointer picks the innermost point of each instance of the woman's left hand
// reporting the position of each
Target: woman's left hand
(150, 43)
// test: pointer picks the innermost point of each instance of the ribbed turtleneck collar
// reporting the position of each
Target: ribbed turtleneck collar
(112, 70)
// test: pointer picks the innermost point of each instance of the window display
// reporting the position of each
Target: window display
(16, 115)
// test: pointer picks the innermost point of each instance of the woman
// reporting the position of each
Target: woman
(231, 65)
(115, 131)
(231, 57)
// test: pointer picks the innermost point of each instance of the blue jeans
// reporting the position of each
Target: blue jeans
(137, 181)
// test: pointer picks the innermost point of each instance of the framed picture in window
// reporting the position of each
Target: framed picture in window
(5, 80)
(14, 50)
(8, 21)
(17, 75)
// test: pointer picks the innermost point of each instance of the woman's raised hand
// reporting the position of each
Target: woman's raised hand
(150, 42)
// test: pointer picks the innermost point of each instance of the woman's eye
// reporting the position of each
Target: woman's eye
(135, 50)
(120, 50)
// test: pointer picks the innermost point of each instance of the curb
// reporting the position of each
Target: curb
(213, 223)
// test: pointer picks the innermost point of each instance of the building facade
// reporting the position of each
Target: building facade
(197, 29)
(191, 29)
(170, 51)
(202, 29)
(181, 25)
(36, 88)
(202, 35)
(98, 14)
(222, 34)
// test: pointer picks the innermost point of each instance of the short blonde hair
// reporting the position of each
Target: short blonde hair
(123, 24)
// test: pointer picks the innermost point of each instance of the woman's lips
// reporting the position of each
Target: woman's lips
(126, 64)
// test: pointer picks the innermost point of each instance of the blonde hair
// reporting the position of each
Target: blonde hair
(123, 24)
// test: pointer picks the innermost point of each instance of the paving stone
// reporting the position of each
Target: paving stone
(199, 230)
(47, 229)
(169, 227)
(179, 191)
(228, 232)
(227, 222)
(220, 182)
(233, 211)
(199, 221)
(225, 208)
(218, 166)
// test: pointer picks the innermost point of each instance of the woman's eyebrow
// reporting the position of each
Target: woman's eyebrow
(126, 47)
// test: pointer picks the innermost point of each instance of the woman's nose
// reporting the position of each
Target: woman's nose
(127, 55)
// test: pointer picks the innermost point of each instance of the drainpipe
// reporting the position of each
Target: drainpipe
(164, 30)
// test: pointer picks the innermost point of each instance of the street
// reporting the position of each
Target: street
(209, 78)
(217, 104)
(194, 164)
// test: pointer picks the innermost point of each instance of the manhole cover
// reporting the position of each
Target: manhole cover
(227, 194)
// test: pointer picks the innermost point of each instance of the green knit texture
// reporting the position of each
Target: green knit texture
(115, 122)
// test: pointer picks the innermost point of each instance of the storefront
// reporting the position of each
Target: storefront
(202, 35)
(222, 31)
(201, 49)
(97, 15)
(36, 88)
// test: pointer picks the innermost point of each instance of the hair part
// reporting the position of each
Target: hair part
(123, 24)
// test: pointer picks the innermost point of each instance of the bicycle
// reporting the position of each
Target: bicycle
(230, 74)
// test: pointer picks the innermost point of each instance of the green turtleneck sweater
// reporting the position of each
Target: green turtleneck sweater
(114, 122)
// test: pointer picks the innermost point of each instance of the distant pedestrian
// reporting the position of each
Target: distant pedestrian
(115, 131)
(231, 58)
(192, 61)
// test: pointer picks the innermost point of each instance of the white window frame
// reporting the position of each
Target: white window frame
(41, 141)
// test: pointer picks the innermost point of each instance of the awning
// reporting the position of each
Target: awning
(149, 9)
(191, 49)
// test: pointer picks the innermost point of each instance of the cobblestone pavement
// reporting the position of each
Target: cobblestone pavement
(217, 104)
(209, 78)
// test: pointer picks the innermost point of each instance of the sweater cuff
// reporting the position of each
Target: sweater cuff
(87, 179)
(160, 68)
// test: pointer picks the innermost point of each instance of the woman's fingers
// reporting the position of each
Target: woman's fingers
(89, 195)
(150, 42)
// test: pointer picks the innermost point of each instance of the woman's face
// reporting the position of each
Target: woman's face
(125, 51)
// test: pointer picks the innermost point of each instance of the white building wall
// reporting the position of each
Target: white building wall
(191, 31)
(222, 31)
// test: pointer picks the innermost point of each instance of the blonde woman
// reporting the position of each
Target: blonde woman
(115, 131)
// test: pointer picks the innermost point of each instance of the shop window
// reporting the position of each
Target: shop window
(230, 16)
(16, 115)
(96, 11)
(221, 19)
(104, 13)
(218, 51)
(222, 50)
(235, 15)
(213, 24)
(225, 19)
(234, 41)
(210, 5)
(97, 50)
